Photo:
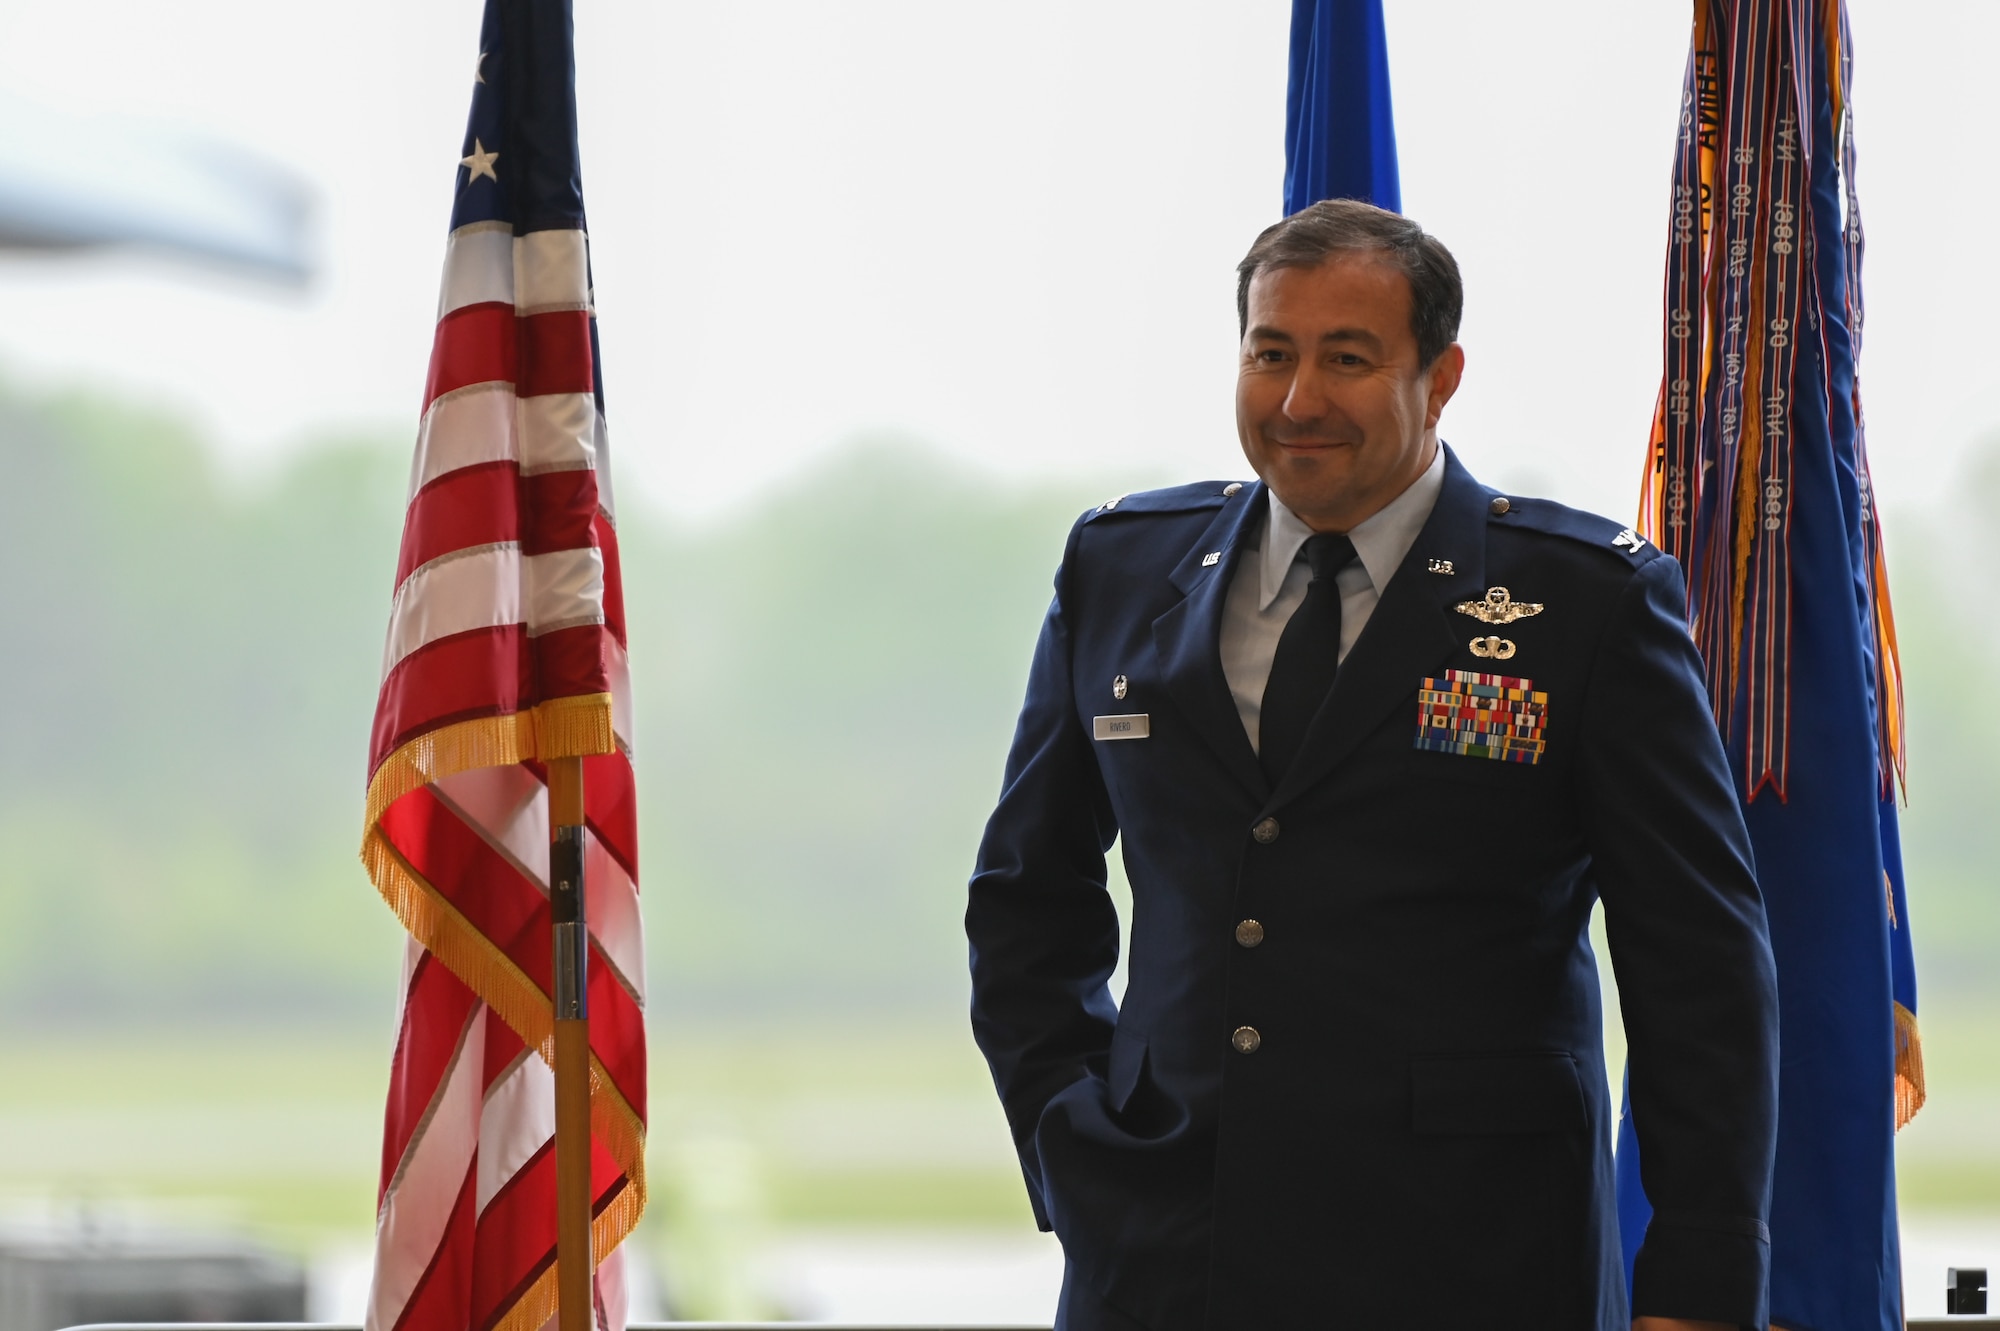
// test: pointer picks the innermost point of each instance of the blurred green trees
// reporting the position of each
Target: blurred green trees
(825, 687)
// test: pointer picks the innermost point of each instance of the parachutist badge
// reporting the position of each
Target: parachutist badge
(1498, 649)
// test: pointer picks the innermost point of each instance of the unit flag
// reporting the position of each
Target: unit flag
(506, 648)
(1758, 483)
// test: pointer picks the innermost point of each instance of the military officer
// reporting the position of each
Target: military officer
(1373, 738)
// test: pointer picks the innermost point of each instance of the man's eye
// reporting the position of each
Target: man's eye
(1270, 355)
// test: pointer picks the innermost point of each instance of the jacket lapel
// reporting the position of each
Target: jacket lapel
(1188, 639)
(1408, 636)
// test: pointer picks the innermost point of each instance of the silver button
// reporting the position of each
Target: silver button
(1266, 832)
(1229, 490)
(1249, 933)
(1499, 505)
(1245, 1040)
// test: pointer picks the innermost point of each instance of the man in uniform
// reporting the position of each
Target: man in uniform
(1375, 738)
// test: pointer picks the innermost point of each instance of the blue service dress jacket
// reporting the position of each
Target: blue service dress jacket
(1357, 1076)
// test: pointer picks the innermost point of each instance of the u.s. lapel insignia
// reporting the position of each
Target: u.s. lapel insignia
(1211, 559)
(1629, 540)
(1499, 607)
(1498, 649)
(1441, 566)
(1118, 687)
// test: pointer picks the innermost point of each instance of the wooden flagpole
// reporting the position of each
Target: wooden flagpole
(572, 956)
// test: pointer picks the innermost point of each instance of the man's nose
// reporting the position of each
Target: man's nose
(1306, 399)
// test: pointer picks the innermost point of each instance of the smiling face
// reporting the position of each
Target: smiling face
(1332, 407)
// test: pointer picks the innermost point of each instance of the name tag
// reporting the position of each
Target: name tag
(1137, 726)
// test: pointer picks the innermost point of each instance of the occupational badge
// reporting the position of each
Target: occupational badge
(1498, 649)
(1500, 717)
(1629, 540)
(1499, 608)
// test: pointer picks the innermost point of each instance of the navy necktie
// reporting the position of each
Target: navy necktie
(1308, 654)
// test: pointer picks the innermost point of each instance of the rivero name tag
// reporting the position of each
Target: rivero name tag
(1137, 726)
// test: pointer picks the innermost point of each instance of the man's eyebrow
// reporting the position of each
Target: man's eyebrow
(1266, 333)
(1361, 335)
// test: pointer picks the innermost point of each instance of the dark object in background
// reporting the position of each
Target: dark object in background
(57, 1276)
(1965, 1290)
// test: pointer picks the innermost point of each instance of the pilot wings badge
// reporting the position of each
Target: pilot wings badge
(1499, 607)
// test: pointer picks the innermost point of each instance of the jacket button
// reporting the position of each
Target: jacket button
(1249, 933)
(1244, 1039)
(1266, 832)
(1500, 505)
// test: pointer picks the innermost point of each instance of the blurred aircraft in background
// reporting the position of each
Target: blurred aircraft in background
(70, 181)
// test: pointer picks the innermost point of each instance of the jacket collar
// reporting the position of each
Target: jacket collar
(1188, 637)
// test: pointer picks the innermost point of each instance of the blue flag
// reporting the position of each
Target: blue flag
(1340, 134)
(1758, 483)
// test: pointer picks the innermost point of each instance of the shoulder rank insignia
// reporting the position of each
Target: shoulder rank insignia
(1629, 540)
(1499, 607)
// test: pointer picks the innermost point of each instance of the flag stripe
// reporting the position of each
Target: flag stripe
(615, 819)
(475, 344)
(479, 587)
(478, 267)
(485, 422)
(439, 1298)
(540, 353)
(424, 1051)
(471, 506)
(464, 428)
(491, 503)
(513, 1239)
(417, 1207)
(573, 660)
(552, 271)
(517, 1120)
(482, 673)
(555, 354)
(488, 586)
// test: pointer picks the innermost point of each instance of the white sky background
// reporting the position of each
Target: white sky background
(1009, 230)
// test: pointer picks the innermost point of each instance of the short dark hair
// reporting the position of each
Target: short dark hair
(1334, 227)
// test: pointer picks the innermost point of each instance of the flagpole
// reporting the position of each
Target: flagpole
(572, 1041)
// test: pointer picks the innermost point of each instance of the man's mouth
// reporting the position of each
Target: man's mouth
(1313, 445)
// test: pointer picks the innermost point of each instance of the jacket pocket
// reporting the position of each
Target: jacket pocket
(1128, 1063)
(1495, 1093)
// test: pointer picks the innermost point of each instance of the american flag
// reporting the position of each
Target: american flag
(506, 647)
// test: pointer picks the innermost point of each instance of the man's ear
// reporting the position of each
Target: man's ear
(1444, 374)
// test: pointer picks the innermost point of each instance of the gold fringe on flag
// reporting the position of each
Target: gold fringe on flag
(578, 727)
(1909, 1067)
(575, 727)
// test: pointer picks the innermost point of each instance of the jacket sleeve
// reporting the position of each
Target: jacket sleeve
(1042, 930)
(1692, 954)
